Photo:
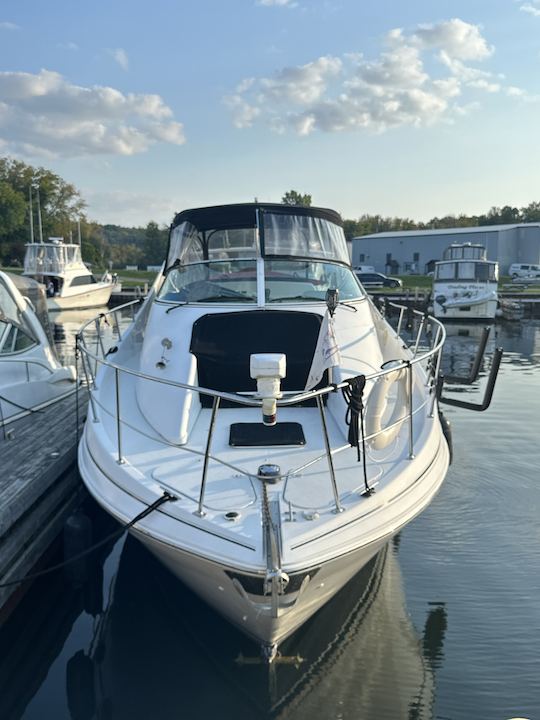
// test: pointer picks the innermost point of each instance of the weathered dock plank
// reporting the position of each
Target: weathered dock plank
(39, 484)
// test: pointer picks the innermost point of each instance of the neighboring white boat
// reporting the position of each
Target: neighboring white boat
(465, 284)
(69, 283)
(30, 375)
(261, 388)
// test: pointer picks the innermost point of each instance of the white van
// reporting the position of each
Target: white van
(518, 270)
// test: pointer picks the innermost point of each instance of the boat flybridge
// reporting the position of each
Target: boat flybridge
(69, 283)
(30, 375)
(465, 284)
(272, 425)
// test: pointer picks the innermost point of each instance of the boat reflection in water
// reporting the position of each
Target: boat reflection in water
(157, 652)
(461, 348)
(66, 324)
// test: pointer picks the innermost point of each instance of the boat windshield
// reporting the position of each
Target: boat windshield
(15, 334)
(50, 258)
(303, 236)
(467, 271)
(236, 281)
(250, 235)
(218, 255)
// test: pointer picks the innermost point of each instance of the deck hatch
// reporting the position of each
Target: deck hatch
(259, 435)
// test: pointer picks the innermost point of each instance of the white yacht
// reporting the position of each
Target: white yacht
(287, 429)
(69, 283)
(30, 375)
(465, 284)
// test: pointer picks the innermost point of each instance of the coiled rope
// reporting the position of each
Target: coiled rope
(354, 418)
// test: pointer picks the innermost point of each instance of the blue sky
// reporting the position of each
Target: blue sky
(413, 109)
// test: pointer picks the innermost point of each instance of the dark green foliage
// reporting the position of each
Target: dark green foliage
(295, 198)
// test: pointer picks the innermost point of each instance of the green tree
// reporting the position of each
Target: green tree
(295, 198)
(12, 209)
(61, 203)
(155, 244)
(531, 213)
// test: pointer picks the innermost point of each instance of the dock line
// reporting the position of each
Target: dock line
(166, 497)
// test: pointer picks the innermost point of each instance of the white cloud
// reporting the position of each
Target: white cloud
(456, 38)
(8, 26)
(532, 9)
(68, 46)
(418, 79)
(302, 84)
(44, 114)
(277, 3)
(121, 57)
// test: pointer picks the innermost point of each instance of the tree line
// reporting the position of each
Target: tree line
(63, 212)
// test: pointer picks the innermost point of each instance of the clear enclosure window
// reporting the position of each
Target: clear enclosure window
(303, 281)
(466, 271)
(236, 281)
(217, 281)
(304, 236)
(13, 338)
(446, 271)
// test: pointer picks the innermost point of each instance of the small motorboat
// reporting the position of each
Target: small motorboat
(31, 377)
(285, 429)
(465, 284)
(69, 283)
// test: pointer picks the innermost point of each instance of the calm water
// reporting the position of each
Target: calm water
(444, 624)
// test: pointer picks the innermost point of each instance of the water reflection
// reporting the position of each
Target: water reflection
(66, 325)
(461, 346)
(132, 642)
(156, 644)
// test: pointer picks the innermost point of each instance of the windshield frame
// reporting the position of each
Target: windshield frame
(315, 232)
(271, 275)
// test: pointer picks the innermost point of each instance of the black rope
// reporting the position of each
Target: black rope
(166, 497)
(354, 397)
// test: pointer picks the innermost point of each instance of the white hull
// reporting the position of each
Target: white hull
(251, 616)
(211, 579)
(456, 301)
(31, 377)
(97, 296)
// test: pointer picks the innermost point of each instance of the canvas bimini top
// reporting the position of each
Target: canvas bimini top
(256, 230)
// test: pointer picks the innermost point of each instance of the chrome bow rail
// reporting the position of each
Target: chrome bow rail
(425, 350)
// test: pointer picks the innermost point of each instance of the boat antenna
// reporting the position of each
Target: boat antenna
(31, 214)
(39, 218)
(79, 230)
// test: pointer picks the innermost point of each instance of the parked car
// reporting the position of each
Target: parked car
(378, 280)
(523, 270)
(526, 280)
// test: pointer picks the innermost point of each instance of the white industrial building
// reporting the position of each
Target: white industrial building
(416, 251)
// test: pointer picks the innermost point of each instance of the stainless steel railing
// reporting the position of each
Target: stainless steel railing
(428, 358)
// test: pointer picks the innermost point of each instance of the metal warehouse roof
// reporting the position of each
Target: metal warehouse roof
(446, 231)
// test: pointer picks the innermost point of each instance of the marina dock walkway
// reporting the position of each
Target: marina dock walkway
(39, 486)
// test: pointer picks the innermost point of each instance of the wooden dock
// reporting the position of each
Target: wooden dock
(39, 487)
